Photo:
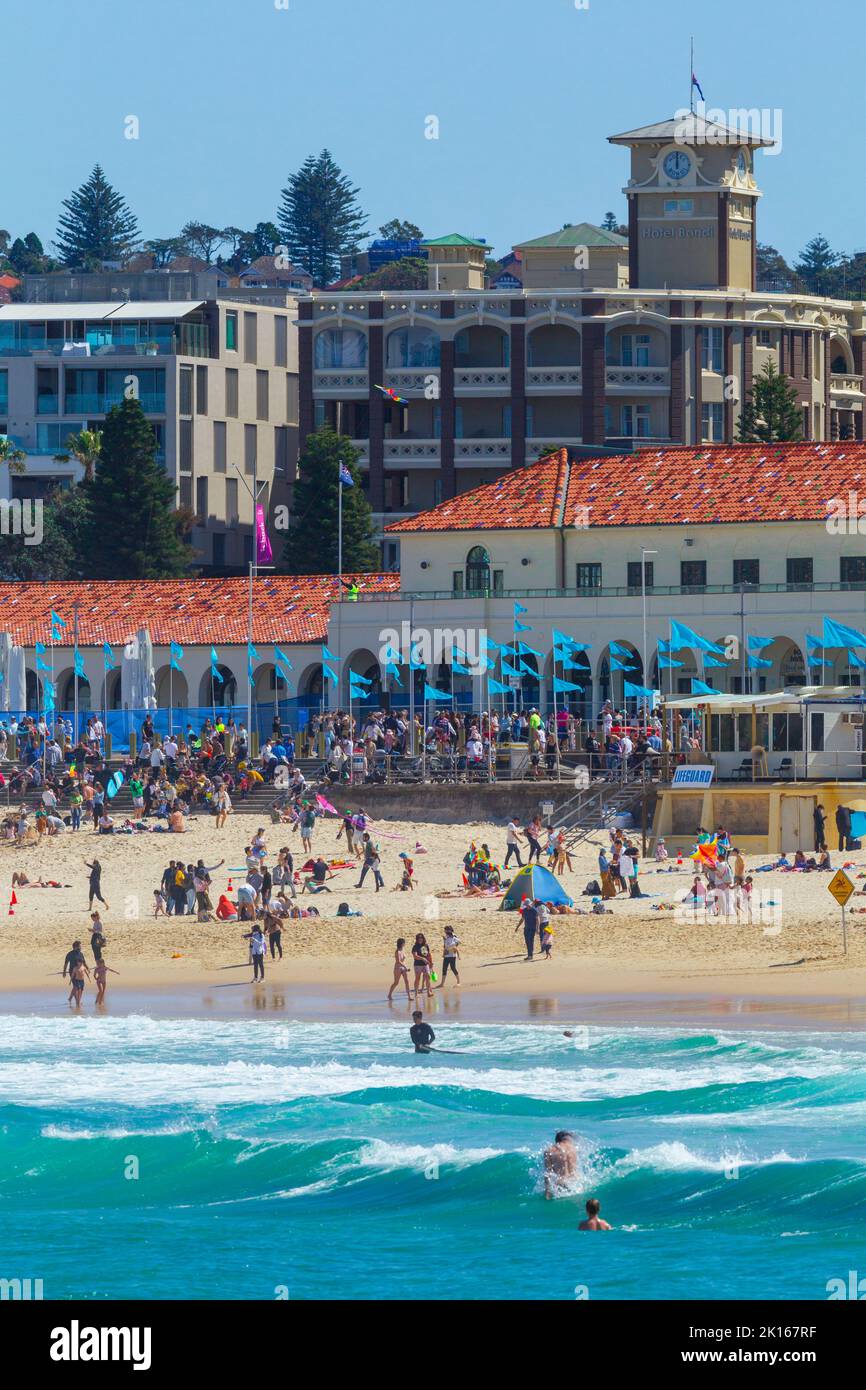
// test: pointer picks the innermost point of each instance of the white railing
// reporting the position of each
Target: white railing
(849, 384)
(403, 450)
(565, 379)
(535, 446)
(340, 379)
(410, 378)
(482, 450)
(474, 379)
(638, 378)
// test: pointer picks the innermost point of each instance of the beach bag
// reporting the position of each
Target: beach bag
(592, 889)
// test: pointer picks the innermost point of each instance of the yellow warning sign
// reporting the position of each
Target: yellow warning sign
(841, 887)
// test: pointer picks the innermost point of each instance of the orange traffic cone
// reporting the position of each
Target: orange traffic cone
(679, 858)
(230, 889)
(12, 904)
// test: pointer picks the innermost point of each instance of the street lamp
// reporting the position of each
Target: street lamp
(643, 555)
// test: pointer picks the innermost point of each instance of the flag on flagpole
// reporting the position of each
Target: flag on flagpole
(79, 667)
(345, 476)
(497, 687)
(519, 608)
(696, 84)
(562, 687)
(714, 661)
(758, 663)
(108, 656)
(264, 554)
(838, 635)
(280, 656)
(326, 655)
(682, 636)
(331, 674)
(638, 692)
(757, 644)
(214, 660)
(667, 663)
(431, 693)
(522, 627)
(700, 688)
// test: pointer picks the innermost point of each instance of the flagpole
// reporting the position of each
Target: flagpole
(340, 524)
(249, 660)
(692, 75)
(75, 665)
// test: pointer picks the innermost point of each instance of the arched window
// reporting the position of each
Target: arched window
(477, 570)
(341, 347)
(793, 669)
(412, 347)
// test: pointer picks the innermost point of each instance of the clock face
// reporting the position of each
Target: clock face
(677, 164)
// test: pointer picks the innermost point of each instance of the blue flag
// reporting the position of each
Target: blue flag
(252, 654)
(682, 636)
(699, 688)
(813, 642)
(326, 655)
(561, 687)
(757, 644)
(345, 476)
(638, 692)
(617, 665)
(332, 675)
(496, 687)
(617, 650)
(176, 653)
(108, 655)
(280, 656)
(362, 680)
(667, 663)
(714, 661)
(519, 608)
(460, 670)
(508, 670)
(79, 666)
(758, 663)
(838, 635)
(522, 627)
(56, 619)
(42, 665)
(431, 693)
(857, 661)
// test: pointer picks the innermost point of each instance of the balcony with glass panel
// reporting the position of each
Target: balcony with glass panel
(75, 338)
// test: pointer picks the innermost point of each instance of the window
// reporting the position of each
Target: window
(588, 576)
(201, 390)
(787, 732)
(232, 391)
(51, 439)
(747, 571)
(636, 421)
(231, 331)
(291, 399)
(852, 569)
(437, 491)
(712, 422)
(799, 573)
(184, 404)
(693, 575)
(231, 501)
(679, 207)
(477, 570)
(201, 498)
(340, 347)
(634, 576)
(281, 341)
(765, 337)
(498, 581)
(250, 447)
(712, 346)
(457, 581)
(262, 393)
(219, 550)
(4, 391)
(412, 347)
(47, 399)
(219, 446)
(816, 732)
(185, 490)
(281, 450)
(251, 347)
(184, 429)
(635, 348)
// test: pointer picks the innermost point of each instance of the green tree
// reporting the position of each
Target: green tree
(61, 552)
(27, 256)
(398, 230)
(609, 222)
(772, 268)
(200, 239)
(817, 266)
(311, 543)
(409, 273)
(97, 225)
(12, 456)
(85, 446)
(319, 217)
(771, 411)
(132, 530)
(164, 249)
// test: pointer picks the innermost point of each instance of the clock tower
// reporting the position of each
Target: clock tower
(692, 200)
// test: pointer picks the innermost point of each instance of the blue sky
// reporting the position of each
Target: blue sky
(231, 95)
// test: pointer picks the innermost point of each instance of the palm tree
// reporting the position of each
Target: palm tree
(13, 456)
(86, 446)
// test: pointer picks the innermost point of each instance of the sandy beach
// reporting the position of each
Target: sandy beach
(791, 951)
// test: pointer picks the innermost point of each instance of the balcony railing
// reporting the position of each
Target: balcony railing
(469, 451)
(470, 380)
(617, 592)
(564, 380)
(340, 381)
(187, 340)
(47, 403)
(408, 450)
(846, 385)
(637, 378)
(96, 403)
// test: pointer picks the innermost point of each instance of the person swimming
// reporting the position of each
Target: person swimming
(421, 1033)
(593, 1221)
(560, 1163)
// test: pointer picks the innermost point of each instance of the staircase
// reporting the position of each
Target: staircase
(595, 808)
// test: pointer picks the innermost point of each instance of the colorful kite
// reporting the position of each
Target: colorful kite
(392, 395)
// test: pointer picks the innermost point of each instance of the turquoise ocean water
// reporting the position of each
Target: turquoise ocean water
(327, 1160)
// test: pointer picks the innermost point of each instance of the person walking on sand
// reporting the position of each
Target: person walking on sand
(529, 921)
(423, 965)
(97, 937)
(257, 952)
(73, 958)
(450, 956)
(593, 1221)
(401, 970)
(513, 843)
(101, 971)
(95, 883)
(223, 805)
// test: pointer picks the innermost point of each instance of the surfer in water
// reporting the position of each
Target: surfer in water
(560, 1163)
(421, 1033)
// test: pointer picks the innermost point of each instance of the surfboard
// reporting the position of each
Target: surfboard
(115, 782)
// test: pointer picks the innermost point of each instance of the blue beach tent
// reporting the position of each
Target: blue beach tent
(534, 881)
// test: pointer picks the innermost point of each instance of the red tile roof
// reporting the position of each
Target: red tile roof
(530, 496)
(660, 487)
(286, 609)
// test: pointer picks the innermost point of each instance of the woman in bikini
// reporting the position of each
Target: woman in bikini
(401, 970)
(423, 965)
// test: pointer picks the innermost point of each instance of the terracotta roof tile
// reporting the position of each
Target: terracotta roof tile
(286, 609)
(660, 487)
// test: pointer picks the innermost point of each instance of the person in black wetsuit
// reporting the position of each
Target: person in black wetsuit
(421, 1033)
